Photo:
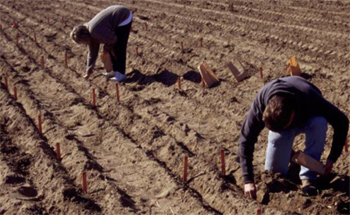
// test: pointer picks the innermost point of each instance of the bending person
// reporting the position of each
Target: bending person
(287, 107)
(110, 27)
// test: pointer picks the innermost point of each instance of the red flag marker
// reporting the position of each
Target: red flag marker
(40, 124)
(222, 156)
(15, 92)
(85, 188)
(179, 82)
(117, 91)
(58, 151)
(93, 97)
(185, 168)
(6, 83)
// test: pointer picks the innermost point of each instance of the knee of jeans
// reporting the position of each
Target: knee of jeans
(319, 123)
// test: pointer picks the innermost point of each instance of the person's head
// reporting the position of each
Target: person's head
(80, 34)
(279, 112)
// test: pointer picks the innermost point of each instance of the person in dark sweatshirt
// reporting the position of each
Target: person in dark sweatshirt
(111, 27)
(287, 107)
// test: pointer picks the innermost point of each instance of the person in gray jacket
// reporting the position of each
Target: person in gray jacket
(110, 27)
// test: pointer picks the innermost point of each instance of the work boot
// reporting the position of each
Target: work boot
(309, 187)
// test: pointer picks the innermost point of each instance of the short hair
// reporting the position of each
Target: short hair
(80, 34)
(278, 111)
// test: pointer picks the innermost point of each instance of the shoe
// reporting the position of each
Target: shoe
(119, 77)
(109, 74)
(308, 187)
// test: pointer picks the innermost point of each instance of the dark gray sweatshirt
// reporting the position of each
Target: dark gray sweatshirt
(102, 29)
(310, 102)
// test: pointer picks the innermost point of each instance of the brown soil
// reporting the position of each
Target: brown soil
(133, 150)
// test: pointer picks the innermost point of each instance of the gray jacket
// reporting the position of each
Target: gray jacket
(102, 29)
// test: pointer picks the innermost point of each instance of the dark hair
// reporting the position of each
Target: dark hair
(278, 111)
(80, 34)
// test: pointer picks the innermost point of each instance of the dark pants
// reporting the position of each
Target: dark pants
(119, 61)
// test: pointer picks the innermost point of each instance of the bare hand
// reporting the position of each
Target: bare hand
(250, 190)
(328, 166)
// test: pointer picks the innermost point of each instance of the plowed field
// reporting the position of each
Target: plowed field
(132, 150)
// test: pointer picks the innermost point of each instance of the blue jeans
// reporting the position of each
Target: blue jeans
(280, 146)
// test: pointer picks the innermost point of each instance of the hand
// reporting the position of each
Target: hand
(328, 166)
(87, 75)
(250, 190)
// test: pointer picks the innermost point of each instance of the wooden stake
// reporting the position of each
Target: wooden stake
(17, 37)
(6, 83)
(66, 58)
(15, 92)
(137, 51)
(185, 168)
(40, 124)
(182, 46)
(58, 151)
(93, 98)
(85, 188)
(42, 61)
(117, 91)
(222, 156)
(346, 146)
(201, 42)
(179, 82)
(258, 211)
(261, 73)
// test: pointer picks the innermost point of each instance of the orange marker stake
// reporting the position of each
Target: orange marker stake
(222, 156)
(117, 91)
(66, 58)
(201, 42)
(346, 146)
(6, 83)
(17, 36)
(58, 151)
(261, 73)
(258, 211)
(15, 92)
(185, 168)
(39, 124)
(179, 82)
(93, 97)
(84, 182)
(42, 61)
